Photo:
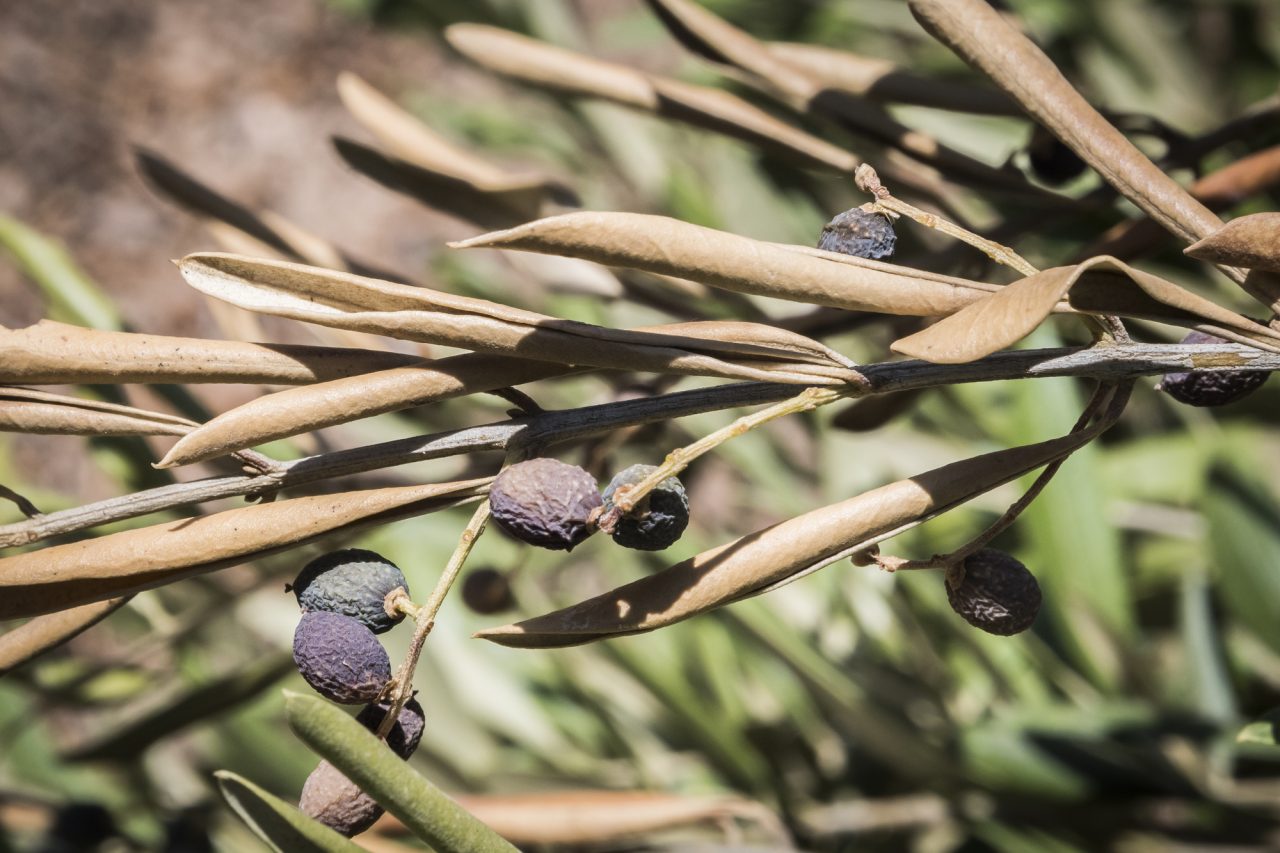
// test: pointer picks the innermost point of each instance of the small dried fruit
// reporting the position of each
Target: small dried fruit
(1051, 160)
(859, 232)
(994, 592)
(1210, 388)
(407, 731)
(340, 658)
(337, 802)
(353, 582)
(545, 502)
(487, 591)
(658, 520)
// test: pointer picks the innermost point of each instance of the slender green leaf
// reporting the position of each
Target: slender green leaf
(420, 805)
(276, 822)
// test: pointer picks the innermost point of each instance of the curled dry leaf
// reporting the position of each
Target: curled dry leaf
(298, 410)
(49, 353)
(39, 635)
(540, 64)
(670, 247)
(768, 557)
(123, 563)
(1099, 285)
(585, 817)
(346, 301)
(1251, 241)
(30, 411)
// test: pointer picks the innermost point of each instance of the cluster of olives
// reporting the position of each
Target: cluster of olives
(556, 505)
(346, 598)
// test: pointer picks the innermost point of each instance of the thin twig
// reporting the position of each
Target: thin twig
(680, 458)
(1109, 362)
(25, 506)
(425, 618)
(868, 181)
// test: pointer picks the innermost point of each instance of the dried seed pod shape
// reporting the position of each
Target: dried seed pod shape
(407, 731)
(660, 518)
(353, 582)
(340, 658)
(859, 232)
(545, 502)
(996, 593)
(1210, 388)
(487, 591)
(337, 802)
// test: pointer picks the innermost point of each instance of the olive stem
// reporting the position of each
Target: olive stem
(425, 618)
(868, 181)
(1111, 397)
(680, 458)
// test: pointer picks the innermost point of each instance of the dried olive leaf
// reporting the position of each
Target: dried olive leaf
(39, 635)
(711, 36)
(277, 823)
(540, 64)
(743, 567)
(1251, 241)
(1106, 285)
(670, 247)
(347, 301)
(76, 573)
(586, 817)
(883, 81)
(298, 410)
(979, 35)
(407, 138)
(31, 411)
(56, 353)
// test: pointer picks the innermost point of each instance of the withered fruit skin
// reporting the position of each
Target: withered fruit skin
(861, 233)
(353, 582)
(487, 591)
(404, 736)
(545, 502)
(997, 593)
(659, 520)
(340, 658)
(337, 802)
(1210, 388)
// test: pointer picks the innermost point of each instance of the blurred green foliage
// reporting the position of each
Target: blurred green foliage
(1140, 713)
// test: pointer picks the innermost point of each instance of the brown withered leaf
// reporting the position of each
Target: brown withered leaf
(298, 410)
(540, 64)
(1098, 285)
(287, 413)
(1251, 241)
(989, 43)
(586, 817)
(670, 247)
(346, 301)
(39, 635)
(50, 353)
(30, 411)
(64, 576)
(767, 557)
(408, 139)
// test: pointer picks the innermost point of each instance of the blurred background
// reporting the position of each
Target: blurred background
(849, 711)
